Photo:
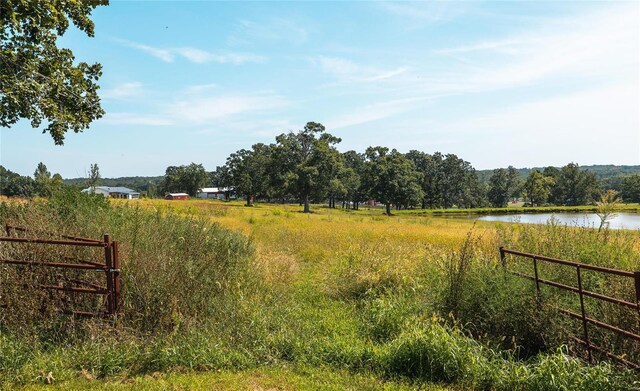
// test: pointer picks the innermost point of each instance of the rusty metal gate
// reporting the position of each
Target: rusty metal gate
(633, 279)
(110, 266)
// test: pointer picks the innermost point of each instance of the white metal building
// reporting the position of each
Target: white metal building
(113, 192)
(218, 193)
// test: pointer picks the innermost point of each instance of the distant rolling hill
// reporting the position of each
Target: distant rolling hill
(609, 174)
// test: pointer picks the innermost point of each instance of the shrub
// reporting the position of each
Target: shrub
(432, 352)
(496, 307)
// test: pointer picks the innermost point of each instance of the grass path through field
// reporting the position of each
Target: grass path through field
(305, 258)
(282, 378)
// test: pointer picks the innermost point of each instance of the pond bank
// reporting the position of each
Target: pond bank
(590, 220)
(627, 208)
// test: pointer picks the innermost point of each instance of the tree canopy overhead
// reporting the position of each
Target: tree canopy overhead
(38, 80)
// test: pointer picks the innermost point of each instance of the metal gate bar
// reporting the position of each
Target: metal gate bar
(582, 316)
(111, 267)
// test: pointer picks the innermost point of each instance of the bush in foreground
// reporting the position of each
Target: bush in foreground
(177, 272)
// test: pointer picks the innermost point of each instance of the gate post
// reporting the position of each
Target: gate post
(503, 258)
(636, 278)
(537, 279)
(584, 315)
(535, 272)
(117, 302)
(108, 260)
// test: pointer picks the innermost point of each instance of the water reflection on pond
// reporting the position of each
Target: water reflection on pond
(620, 221)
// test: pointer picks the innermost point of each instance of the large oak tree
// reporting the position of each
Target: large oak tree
(393, 178)
(308, 159)
(248, 171)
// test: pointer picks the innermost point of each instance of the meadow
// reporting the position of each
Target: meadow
(216, 293)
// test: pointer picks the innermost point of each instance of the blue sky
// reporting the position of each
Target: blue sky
(521, 83)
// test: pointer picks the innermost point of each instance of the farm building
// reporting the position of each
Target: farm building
(219, 193)
(176, 196)
(114, 192)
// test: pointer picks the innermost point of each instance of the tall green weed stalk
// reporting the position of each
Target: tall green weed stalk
(492, 306)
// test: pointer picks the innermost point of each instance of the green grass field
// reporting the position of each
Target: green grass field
(334, 299)
(269, 378)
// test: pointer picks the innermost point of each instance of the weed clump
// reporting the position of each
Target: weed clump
(438, 353)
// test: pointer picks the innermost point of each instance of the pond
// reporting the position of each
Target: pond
(620, 221)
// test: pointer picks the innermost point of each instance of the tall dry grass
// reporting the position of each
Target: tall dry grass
(393, 298)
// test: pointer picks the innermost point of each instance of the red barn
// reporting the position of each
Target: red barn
(177, 196)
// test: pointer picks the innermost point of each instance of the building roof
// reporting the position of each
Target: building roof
(177, 194)
(111, 189)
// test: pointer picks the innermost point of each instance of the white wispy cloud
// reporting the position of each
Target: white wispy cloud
(122, 91)
(374, 112)
(196, 55)
(348, 71)
(125, 118)
(198, 107)
(271, 30)
(602, 44)
(163, 54)
(588, 124)
(200, 110)
(422, 12)
(201, 57)
(507, 46)
(200, 88)
(605, 111)
(262, 127)
(558, 57)
(590, 48)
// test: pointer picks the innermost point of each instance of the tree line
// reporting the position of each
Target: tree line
(307, 167)
(42, 184)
